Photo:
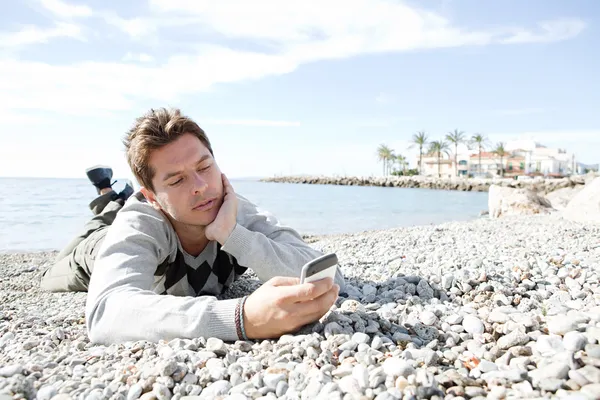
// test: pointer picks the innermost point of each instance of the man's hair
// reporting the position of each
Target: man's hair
(152, 131)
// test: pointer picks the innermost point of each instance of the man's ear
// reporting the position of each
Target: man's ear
(150, 197)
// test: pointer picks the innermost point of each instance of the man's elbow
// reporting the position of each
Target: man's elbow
(98, 336)
(100, 324)
(96, 327)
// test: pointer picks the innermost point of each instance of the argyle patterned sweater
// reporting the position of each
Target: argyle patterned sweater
(144, 286)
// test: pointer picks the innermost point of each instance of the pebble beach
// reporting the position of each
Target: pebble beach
(497, 309)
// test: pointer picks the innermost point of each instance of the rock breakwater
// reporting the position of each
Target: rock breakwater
(540, 185)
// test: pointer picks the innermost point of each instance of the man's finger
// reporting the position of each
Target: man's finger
(284, 281)
(316, 305)
(307, 291)
(226, 183)
(311, 311)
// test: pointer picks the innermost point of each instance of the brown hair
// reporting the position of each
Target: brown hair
(152, 131)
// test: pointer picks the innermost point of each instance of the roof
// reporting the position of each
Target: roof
(442, 161)
(485, 154)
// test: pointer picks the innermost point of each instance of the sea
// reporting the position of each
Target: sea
(43, 214)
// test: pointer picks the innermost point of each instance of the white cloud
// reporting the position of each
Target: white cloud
(20, 119)
(251, 122)
(30, 34)
(66, 10)
(116, 86)
(136, 28)
(307, 32)
(141, 57)
(550, 31)
(314, 29)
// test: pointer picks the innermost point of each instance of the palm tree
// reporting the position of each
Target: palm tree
(420, 139)
(391, 162)
(438, 147)
(500, 152)
(457, 137)
(385, 154)
(480, 141)
(401, 160)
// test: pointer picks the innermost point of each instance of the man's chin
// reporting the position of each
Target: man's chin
(202, 220)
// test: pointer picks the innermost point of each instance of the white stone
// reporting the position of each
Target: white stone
(427, 318)
(585, 206)
(504, 201)
(561, 324)
(574, 341)
(473, 325)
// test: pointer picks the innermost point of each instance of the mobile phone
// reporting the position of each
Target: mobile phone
(319, 268)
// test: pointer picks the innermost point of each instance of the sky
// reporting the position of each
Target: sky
(293, 87)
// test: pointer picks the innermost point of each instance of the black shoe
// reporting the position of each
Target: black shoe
(100, 177)
(126, 192)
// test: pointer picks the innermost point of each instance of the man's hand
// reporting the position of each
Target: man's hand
(282, 305)
(225, 221)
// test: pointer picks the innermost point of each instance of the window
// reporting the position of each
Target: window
(522, 165)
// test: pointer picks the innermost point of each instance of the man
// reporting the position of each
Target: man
(182, 240)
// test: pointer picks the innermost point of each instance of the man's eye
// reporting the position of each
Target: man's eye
(205, 168)
(176, 182)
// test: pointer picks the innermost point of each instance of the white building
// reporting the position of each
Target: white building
(542, 160)
(430, 167)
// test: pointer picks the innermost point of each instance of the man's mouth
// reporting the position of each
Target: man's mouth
(205, 205)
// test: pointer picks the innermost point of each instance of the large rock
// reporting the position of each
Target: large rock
(585, 206)
(559, 199)
(503, 201)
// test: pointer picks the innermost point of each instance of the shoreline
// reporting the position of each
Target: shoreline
(429, 310)
(541, 185)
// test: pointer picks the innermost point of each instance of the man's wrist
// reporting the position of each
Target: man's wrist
(249, 329)
(224, 235)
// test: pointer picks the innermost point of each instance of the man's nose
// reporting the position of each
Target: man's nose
(199, 183)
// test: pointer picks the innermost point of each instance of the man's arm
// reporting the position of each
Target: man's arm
(270, 249)
(121, 305)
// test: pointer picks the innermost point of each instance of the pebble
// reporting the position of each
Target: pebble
(360, 337)
(591, 390)
(454, 319)
(459, 318)
(550, 344)
(397, 367)
(559, 370)
(427, 318)
(473, 325)
(592, 350)
(46, 392)
(513, 339)
(10, 370)
(217, 346)
(574, 341)
(561, 325)
(590, 373)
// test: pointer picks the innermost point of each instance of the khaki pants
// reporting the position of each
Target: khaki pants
(73, 266)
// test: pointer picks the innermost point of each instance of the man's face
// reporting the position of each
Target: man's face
(187, 182)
